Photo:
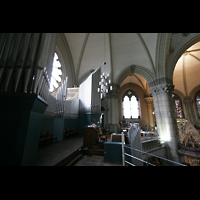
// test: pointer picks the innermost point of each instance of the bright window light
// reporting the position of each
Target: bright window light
(56, 72)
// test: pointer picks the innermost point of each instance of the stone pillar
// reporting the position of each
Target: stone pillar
(149, 101)
(166, 119)
(189, 114)
(112, 111)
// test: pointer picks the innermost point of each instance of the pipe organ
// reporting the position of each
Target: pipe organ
(60, 100)
(26, 62)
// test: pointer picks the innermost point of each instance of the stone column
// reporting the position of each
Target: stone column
(112, 111)
(189, 109)
(166, 119)
(149, 101)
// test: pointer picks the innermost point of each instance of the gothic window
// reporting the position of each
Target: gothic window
(130, 105)
(197, 102)
(178, 106)
(56, 74)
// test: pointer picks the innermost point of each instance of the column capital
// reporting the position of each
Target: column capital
(162, 89)
(149, 100)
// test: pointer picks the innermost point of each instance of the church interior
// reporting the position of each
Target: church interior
(80, 96)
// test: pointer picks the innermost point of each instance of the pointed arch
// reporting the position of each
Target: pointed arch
(149, 76)
(179, 50)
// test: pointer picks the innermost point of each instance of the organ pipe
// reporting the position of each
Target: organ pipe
(26, 62)
(60, 100)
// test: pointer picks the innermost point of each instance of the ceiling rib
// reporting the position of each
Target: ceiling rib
(194, 57)
(81, 55)
(147, 50)
(139, 80)
(70, 56)
(184, 77)
(193, 50)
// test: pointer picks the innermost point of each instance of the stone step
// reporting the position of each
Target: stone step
(75, 160)
(66, 161)
(96, 152)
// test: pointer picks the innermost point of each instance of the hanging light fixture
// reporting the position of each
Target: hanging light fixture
(105, 85)
(104, 63)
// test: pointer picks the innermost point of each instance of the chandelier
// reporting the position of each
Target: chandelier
(104, 85)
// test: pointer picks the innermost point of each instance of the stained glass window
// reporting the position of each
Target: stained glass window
(178, 106)
(198, 105)
(130, 105)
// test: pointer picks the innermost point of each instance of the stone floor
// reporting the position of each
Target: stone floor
(51, 154)
(94, 160)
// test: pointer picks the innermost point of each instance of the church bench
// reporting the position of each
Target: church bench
(65, 133)
(75, 131)
(46, 136)
(52, 137)
(71, 132)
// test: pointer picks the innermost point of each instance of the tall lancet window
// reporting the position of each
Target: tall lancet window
(197, 101)
(130, 105)
(56, 74)
(178, 106)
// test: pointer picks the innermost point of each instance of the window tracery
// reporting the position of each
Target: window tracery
(130, 105)
(56, 74)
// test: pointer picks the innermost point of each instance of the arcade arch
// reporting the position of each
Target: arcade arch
(138, 86)
(186, 80)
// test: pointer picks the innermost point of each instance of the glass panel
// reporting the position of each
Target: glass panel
(178, 108)
(134, 107)
(56, 71)
(198, 105)
(129, 93)
(130, 107)
(126, 105)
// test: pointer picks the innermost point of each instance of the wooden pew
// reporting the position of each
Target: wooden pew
(51, 136)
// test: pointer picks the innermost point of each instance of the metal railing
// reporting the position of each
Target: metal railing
(124, 154)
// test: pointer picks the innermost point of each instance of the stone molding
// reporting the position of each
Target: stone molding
(161, 89)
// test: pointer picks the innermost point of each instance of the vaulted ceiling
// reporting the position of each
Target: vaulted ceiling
(187, 70)
(88, 51)
(82, 53)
